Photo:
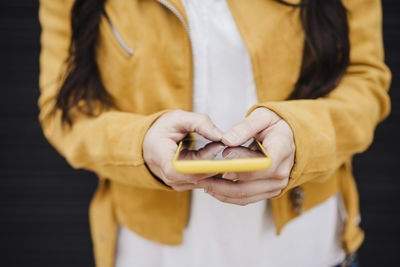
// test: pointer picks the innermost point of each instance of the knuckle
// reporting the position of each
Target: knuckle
(169, 181)
(190, 178)
(273, 171)
(282, 174)
(284, 183)
(177, 114)
(171, 114)
(287, 144)
(204, 118)
(147, 157)
(208, 188)
(177, 188)
(292, 147)
(223, 199)
(168, 175)
(172, 182)
(243, 202)
(248, 125)
(276, 193)
(166, 167)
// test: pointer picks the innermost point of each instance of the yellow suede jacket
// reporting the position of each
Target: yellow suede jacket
(158, 77)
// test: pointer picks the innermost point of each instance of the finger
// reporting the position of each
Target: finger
(172, 177)
(167, 173)
(280, 169)
(257, 121)
(244, 176)
(210, 151)
(185, 186)
(280, 148)
(241, 152)
(245, 201)
(241, 189)
(199, 123)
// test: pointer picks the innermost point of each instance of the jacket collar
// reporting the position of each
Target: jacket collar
(175, 5)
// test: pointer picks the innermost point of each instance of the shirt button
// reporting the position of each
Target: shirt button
(297, 198)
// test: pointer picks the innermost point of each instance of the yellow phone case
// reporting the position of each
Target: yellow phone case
(221, 166)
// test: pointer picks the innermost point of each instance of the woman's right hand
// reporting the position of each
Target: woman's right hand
(160, 145)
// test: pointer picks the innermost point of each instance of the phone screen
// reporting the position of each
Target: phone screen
(202, 149)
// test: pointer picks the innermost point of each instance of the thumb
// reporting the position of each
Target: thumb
(258, 120)
(209, 152)
(198, 123)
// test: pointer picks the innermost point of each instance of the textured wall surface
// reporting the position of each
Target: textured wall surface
(44, 203)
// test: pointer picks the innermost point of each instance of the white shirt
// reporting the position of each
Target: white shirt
(220, 234)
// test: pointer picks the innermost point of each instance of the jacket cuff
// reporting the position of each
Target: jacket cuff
(283, 110)
(139, 162)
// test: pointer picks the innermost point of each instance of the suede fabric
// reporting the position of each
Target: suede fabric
(157, 78)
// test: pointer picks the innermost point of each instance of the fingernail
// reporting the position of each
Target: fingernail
(230, 137)
(229, 176)
(231, 155)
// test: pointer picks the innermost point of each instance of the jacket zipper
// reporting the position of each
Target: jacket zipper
(171, 8)
(168, 5)
(119, 38)
(176, 13)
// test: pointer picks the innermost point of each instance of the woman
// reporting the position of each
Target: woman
(123, 81)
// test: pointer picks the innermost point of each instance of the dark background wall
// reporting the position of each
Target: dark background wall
(44, 203)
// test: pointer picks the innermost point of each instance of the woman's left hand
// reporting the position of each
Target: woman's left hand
(243, 188)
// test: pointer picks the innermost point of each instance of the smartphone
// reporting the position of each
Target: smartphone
(204, 156)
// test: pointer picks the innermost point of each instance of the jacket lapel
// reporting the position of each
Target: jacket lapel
(274, 38)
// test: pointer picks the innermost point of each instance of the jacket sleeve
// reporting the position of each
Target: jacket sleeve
(329, 130)
(109, 144)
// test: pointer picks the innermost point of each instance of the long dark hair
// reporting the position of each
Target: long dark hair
(325, 56)
(326, 52)
(83, 83)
